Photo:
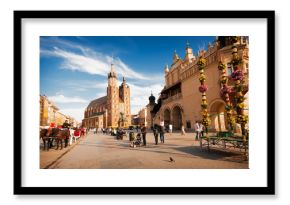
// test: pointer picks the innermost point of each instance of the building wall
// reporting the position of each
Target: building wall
(60, 118)
(48, 111)
(149, 117)
(143, 117)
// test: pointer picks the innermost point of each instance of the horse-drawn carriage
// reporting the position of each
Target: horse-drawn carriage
(54, 135)
(58, 136)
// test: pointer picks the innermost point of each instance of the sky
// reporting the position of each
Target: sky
(73, 69)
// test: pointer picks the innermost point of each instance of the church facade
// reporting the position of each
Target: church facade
(112, 110)
(179, 100)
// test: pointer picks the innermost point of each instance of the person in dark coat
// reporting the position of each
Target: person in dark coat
(155, 133)
(67, 126)
(144, 132)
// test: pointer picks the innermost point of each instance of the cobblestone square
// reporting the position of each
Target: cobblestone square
(99, 151)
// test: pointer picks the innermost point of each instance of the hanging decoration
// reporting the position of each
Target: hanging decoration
(202, 89)
(225, 94)
(238, 77)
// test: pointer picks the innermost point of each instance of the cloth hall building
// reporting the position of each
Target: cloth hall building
(179, 100)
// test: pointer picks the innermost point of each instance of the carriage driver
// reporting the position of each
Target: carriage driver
(66, 125)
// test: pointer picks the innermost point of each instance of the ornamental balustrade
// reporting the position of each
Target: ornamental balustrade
(172, 98)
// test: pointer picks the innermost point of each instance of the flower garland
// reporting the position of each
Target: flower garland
(203, 88)
(225, 91)
(238, 77)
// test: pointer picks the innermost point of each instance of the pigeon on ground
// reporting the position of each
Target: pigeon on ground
(171, 159)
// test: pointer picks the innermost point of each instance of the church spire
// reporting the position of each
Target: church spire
(112, 67)
(175, 57)
(124, 81)
(187, 45)
(166, 68)
(112, 73)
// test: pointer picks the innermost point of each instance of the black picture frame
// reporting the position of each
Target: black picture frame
(267, 190)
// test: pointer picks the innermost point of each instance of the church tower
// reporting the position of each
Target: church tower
(112, 98)
(124, 92)
(150, 107)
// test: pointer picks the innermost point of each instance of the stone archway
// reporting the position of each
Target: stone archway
(218, 116)
(167, 118)
(176, 118)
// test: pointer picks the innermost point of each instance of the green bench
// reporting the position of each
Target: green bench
(224, 139)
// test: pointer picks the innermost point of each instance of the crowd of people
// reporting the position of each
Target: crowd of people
(137, 135)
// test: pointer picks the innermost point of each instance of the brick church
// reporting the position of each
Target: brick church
(112, 110)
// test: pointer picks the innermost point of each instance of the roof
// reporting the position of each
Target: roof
(98, 101)
(96, 114)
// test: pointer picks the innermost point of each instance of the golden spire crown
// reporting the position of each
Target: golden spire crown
(166, 68)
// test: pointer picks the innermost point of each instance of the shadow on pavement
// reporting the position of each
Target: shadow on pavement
(183, 151)
(214, 154)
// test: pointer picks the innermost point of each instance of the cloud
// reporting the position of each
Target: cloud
(63, 99)
(140, 95)
(84, 59)
(85, 85)
(101, 94)
(76, 113)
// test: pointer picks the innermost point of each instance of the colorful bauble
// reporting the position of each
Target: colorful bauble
(201, 63)
(202, 88)
(221, 66)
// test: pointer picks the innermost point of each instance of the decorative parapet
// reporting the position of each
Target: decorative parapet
(192, 69)
(172, 98)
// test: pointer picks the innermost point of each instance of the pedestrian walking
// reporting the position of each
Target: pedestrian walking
(144, 132)
(182, 130)
(197, 130)
(170, 128)
(155, 133)
(162, 134)
(201, 128)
